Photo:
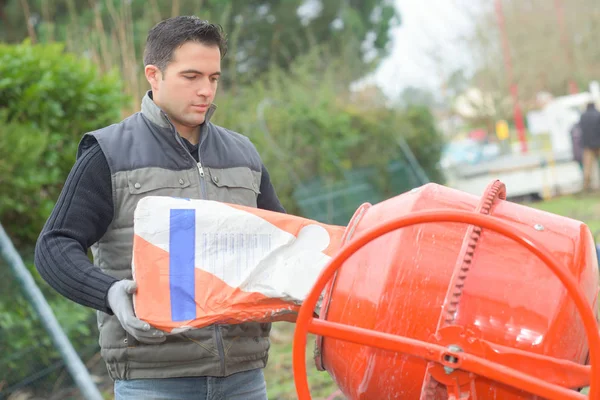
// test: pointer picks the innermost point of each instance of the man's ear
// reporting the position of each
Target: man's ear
(153, 75)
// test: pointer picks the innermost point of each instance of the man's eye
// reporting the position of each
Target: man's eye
(190, 77)
(215, 79)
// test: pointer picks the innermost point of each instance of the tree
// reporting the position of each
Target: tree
(262, 33)
(456, 83)
(416, 96)
(270, 32)
(550, 44)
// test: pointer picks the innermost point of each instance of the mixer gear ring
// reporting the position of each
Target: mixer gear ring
(496, 190)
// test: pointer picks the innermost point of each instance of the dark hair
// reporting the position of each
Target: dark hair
(168, 35)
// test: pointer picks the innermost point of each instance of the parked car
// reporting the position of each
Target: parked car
(468, 151)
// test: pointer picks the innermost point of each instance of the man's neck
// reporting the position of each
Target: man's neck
(192, 135)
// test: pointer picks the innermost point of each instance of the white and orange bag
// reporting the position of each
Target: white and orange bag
(201, 262)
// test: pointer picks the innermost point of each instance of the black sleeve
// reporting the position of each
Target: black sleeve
(267, 199)
(80, 218)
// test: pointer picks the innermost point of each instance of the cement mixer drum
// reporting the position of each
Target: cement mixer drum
(468, 295)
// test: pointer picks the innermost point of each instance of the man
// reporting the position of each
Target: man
(590, 137)
(170, 148)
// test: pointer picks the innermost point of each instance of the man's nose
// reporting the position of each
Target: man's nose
(204, 89)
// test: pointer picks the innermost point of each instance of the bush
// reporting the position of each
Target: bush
(48, 100)
(417, 124)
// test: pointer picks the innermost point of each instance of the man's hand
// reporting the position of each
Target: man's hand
(120, 302)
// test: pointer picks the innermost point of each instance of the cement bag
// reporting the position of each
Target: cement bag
(201, 262)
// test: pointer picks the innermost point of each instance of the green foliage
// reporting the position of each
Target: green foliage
(418, 126)
(310, 126)
(274, 32)
(261, 32)
(48, 99)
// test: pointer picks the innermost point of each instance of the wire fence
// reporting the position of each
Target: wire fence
(38, 359)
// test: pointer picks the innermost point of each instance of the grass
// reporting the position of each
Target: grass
(279, 375)
(582, 208)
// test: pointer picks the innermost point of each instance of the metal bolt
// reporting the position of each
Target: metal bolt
(181, 182)
(137, 185)
(456, 349)
(538, 227)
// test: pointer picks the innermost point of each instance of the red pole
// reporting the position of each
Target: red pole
(560, 15)
(514, 89)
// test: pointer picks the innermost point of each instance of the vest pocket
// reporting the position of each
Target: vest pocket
(237, 185)
(153, 179)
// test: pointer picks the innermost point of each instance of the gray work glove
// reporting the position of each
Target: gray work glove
(121, 304)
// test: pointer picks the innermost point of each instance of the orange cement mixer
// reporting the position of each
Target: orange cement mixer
(438, 294)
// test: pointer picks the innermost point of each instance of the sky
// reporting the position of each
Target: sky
(429, 29)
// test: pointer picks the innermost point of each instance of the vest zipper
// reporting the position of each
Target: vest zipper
(218, 334)
(201, 172)
(203, 194)
(220, 347)
(200, 169)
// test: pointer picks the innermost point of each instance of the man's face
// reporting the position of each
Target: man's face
(188, 85)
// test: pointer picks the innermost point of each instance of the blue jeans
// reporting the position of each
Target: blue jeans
(249, 385)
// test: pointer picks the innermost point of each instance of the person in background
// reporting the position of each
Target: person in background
(576, 144)
(590, 140)
(169, 148)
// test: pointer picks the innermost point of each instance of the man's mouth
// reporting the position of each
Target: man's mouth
(200, 107)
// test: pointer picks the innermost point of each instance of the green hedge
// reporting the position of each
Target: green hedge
(48, 100)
